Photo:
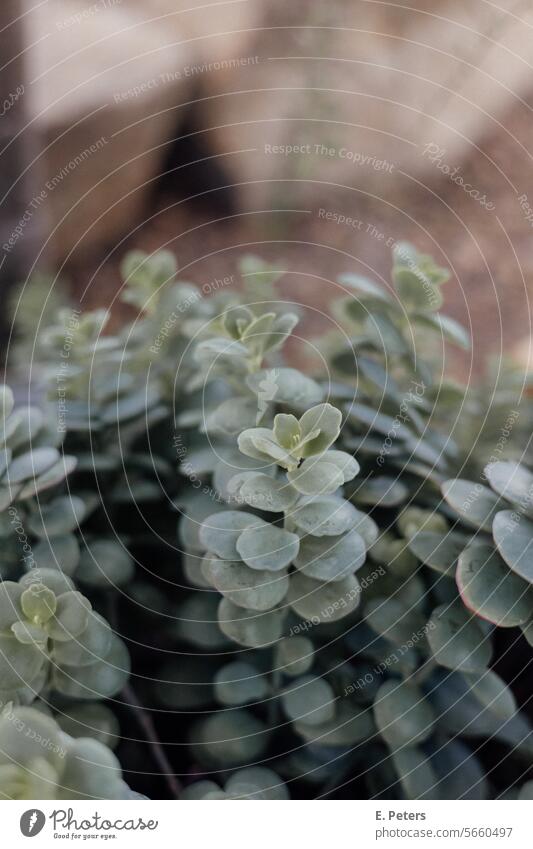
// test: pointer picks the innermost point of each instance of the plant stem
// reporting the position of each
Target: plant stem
(145, 721)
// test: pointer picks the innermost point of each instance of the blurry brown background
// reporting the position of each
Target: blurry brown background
(206, 127)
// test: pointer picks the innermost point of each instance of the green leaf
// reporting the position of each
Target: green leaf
(230, 738)
(474, 503)
(267, 547)
(450, 329)
(512, 481)
(38, 603)
(99, 680)
(325, 516)
(32, 464)
(248, 588)
(240, 683)
(490, 590)
(325, 419)
(285, 386)
(316, 476)
(105, 562)
(71, 616)
(348, 727)
(220, 531)
(60, 516)
(402, 714)
(392, 619)
(294, 655)
(366, 287)
(256, 782)
(318, 602)
(493, 693)
(92, 644)
(331, 559)
(437, 550)
(457, 641)
(263, 492)
(417, 776)
(513, 535)
(249, 628)
(309, 700)
(7, 402)
(362, 415)
(58, 552)
(54, 475)
(381, 492)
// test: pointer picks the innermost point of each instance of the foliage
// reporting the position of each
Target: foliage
(331, 611)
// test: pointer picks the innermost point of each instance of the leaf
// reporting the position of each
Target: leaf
(416, 774)
(248, 588)
(457, 641)
(319, 602)
(54, 475)
(392, 619)
(197, 622)
(493, 693)
(474, 503)
(267, 547)
(285, 386)
(248, 628)
(230, 738)
(490, 590)
(316, 476)
(240, 683)
(91, 645)
(366, 287)
(325, 419)
(381, 492)
(439, 551)
(232, 416)
(32, 464)
(263, 492)
(450, 329)
(322, 475)
(260, 444)
(7, 402)
(348, 727)
(105, 562)
(294, 655)
(386, 425)
(99, 680)
(325, 516)
(402, 714)
(220, 531)
(331, 558)
(309, 700)
(460, 774)
(60, 516)
(257, 782)
(415, 290)
(71, 616)
(512, 481)
(58, 552)
(513, 535)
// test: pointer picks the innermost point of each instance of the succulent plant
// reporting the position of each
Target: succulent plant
(327, 618)
(40, 761)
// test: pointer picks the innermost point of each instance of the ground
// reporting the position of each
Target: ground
(485, 239)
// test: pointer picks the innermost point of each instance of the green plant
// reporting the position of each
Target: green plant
(328, 615)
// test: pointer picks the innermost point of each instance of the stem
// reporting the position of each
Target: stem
(145, 721)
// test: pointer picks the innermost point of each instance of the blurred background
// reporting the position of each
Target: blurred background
(313, 134)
